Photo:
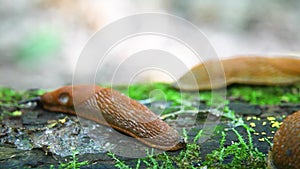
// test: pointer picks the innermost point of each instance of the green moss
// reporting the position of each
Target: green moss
(161, 92)
(9, 96)
(187, 158)
(119, 163)
(155, 91)
(73, 164)
(263, 95)
(9, 99)
(260, 95)
(241, 154)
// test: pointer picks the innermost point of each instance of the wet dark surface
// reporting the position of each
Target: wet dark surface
(244, 108)
(39, 138)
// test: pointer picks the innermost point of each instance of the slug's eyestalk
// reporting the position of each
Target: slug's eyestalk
(30, 103)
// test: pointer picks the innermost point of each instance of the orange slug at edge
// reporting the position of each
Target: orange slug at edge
(111, 108)
(285, 153)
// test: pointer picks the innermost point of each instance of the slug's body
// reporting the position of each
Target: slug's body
(111, 108)
(253, 70)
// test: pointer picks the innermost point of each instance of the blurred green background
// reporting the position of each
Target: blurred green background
(40, 40)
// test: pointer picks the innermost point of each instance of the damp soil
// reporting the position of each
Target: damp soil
(41, 139)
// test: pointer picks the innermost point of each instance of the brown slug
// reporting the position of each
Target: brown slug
(111, 108)
(255, 70)
(286, 144)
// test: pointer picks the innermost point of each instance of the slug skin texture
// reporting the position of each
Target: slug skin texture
(111, 108)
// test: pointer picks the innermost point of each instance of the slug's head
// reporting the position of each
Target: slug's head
(64, 99)
(180, 145)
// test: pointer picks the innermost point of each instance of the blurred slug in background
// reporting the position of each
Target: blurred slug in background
(254, 70)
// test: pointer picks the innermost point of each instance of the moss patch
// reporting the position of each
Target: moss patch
(266, 95)
(9, 99)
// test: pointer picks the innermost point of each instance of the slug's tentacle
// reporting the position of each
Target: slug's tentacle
(109, 107)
